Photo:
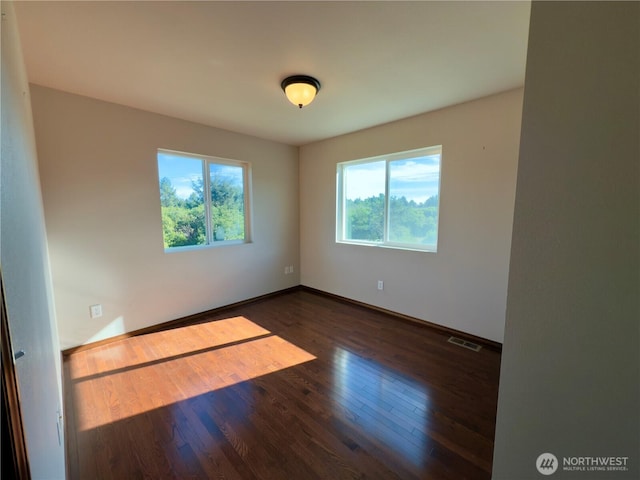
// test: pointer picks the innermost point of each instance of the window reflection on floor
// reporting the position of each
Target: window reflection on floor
(392, 409)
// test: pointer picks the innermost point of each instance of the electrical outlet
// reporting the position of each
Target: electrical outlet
(380, 285)
(96, 311)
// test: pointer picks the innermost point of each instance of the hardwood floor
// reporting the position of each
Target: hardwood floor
(295, 387)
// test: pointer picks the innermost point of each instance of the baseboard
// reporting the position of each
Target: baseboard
(190, 319)
(485, 342)
(180, 322)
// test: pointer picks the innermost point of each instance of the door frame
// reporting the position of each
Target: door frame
(11, 411)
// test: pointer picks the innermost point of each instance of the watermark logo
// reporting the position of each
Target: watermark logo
(547, 464)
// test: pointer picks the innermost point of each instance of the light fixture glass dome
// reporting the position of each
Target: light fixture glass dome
(300, 89)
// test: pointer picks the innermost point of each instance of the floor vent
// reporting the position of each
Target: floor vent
(465, 343)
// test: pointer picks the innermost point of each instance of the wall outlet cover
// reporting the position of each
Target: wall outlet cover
(96, 311)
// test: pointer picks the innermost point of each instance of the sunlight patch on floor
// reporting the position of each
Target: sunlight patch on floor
(177, 365)
(165, 344)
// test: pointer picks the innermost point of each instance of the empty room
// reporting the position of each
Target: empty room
(320, 240)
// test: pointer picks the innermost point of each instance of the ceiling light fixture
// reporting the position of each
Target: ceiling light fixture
(300, 89)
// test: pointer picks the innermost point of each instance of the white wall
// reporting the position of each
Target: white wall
(25, 266)
(463, 286)
(570, 375)
(100, 187)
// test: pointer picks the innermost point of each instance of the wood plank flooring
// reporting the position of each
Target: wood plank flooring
(298, 386)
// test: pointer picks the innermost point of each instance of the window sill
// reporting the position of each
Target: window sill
(189, 248)
(391, 246)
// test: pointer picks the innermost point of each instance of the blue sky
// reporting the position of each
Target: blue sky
(182, 170)
(414, 178)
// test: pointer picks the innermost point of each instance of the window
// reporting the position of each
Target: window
(190, 218)
(390, 200)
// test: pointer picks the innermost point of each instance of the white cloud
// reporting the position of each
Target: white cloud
(412, 171)
(415, 179)
(183, 186)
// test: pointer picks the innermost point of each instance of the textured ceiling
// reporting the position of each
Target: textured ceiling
(221, 63)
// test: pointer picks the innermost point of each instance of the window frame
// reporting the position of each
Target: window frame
(388, 159)
(206, 161)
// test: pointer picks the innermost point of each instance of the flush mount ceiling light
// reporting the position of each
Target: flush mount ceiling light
(300, 89)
